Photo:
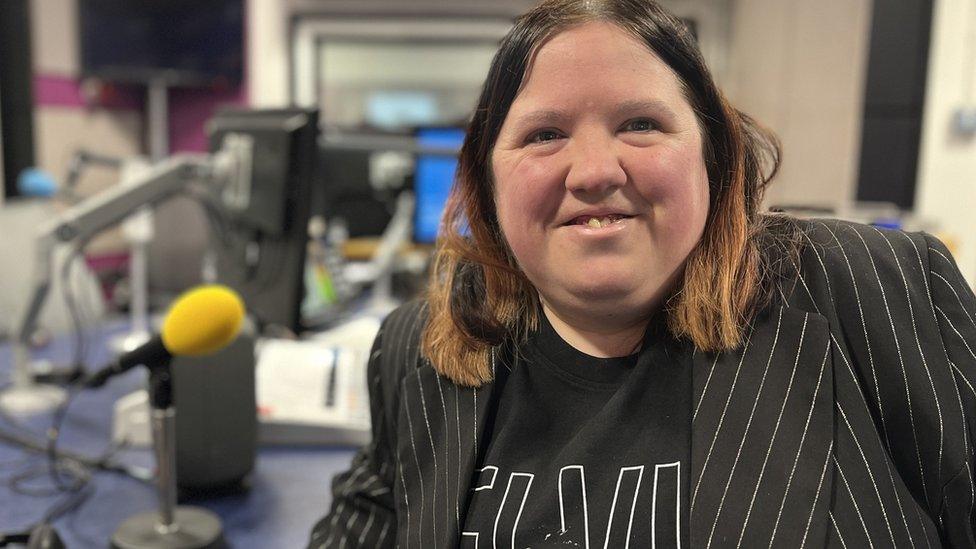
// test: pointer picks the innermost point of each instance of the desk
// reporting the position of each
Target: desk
(290, 487)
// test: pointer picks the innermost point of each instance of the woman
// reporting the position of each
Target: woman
(618, 349)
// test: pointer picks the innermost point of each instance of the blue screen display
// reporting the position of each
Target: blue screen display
(433, 179)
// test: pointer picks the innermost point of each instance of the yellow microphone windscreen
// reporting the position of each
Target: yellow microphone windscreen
(203, 320)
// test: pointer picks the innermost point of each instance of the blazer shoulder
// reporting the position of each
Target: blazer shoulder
(839, 252)
(412, 312)
(399, 337)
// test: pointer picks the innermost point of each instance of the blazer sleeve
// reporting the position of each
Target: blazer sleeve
(363, 511)
(955, 311)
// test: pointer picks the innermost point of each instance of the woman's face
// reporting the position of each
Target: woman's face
(600, 184)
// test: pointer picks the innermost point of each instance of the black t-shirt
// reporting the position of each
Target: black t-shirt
(581, 447)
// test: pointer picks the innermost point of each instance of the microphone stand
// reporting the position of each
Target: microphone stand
(81, 221)
(85, 219)
(172, 526)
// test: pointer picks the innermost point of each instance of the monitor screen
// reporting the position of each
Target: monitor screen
(260, 249)
(433, 179)
(343, 192)
(191, 42)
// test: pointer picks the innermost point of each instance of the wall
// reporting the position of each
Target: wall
(946, 189)
(267, 53)
(1, 173)
(713, 18)
(269, 31)
(64, 121)
(799, 67)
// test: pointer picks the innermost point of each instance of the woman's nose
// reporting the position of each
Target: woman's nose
(595, 166)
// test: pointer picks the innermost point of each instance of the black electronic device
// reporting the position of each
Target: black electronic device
(342, 191)
(216, 438)
(263, 254)
(16, 97)
(187, 42)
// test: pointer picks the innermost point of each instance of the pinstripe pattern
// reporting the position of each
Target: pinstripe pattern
(845, 420)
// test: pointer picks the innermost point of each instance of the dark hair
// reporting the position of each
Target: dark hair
(477, 294)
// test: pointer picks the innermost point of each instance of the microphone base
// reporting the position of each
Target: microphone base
(193, 528)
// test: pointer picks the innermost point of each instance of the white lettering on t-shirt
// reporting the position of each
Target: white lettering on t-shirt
(574, 512)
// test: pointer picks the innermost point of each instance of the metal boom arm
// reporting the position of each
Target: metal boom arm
(98, 213)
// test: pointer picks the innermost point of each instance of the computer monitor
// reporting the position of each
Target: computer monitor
(186, 42)
(433, 178)
(342, 192)
(261, 254)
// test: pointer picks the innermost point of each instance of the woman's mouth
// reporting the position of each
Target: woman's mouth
(597, 222)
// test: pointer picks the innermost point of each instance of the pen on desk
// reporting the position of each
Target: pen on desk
(330, 379)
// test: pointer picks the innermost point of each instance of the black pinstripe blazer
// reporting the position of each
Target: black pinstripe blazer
(845, 420)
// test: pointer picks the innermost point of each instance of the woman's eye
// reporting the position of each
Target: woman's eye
(640, 125)
(544, 136)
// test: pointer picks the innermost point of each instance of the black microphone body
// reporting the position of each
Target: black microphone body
(153, 354)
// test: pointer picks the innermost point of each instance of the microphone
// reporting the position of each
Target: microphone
(200, 322)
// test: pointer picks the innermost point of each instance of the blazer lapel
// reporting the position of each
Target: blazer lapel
(762, 437)
(448, 428)
(762, 440)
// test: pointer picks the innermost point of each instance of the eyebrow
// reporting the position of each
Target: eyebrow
(541, 118)
(637, 106)
(550, 116)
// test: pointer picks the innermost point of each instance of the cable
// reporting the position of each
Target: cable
(68, 504)
(268, 271)
(21, 482)
(54, 433)
(76, 491)
(103, 463)
(264, 273)
(69, 299)
(236, 241)
(81, 315)
(70, 474)
(271, 250)
(32, 442)
(80, 349)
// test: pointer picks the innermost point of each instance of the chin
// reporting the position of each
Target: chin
(614, 294)
(607, 293)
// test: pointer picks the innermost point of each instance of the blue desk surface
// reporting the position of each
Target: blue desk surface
(289, 486)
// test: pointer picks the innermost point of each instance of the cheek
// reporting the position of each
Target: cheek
(676, 185)
(527, 196)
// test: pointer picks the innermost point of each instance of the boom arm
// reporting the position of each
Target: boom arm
(87, 218)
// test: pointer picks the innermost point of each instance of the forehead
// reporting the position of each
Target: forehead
(596, 62)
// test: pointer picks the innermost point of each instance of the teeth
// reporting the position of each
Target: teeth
(597, 222)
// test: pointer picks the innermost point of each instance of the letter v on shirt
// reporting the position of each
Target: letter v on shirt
(579, 524)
